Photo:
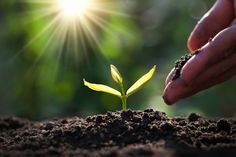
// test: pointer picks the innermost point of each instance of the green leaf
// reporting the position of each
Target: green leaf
(102, 88)
(116, 75)
(141, 82)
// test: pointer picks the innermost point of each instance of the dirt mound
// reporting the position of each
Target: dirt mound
(118, 134)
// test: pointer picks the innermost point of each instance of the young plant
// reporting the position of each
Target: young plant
(123, 95)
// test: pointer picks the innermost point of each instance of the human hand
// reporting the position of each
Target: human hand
(216, 62)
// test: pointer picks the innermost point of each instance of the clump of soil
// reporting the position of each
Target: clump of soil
(181, 62)
(120, 134)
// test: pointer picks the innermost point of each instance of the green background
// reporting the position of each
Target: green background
(37, 81)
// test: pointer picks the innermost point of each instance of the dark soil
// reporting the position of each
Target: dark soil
(120, 134)
(181, 62)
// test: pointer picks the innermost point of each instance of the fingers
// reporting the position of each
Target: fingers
(212, 71)
(170, 76)
(213, 65)
(216, 19)
(221, 78)
(217, 69)
(216, 50)
(217, 73)
(178, 90)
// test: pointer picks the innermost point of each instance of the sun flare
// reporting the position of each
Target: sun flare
(73, 8)
(71, 28)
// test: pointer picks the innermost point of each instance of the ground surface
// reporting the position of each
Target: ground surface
(120, 134)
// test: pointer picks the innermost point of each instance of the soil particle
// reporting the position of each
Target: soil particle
(193, 117)
(119, 134)
(48, 126)
(167, 126)
(99, 119)
(127, 114)
(223, 125)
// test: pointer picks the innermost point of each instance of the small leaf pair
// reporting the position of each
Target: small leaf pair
(118, 79)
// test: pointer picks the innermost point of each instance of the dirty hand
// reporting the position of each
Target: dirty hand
(216, 62)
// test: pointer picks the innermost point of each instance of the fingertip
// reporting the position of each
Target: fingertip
(193, 43)
(166, 100)
(220, 16)
(200, 36)
(168, 96)
(190, 43)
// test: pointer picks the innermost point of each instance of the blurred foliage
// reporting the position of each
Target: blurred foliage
(38, 79)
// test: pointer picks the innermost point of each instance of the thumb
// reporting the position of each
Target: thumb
(216, 19)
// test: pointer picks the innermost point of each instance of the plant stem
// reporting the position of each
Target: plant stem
(124, 103)
(123, 98)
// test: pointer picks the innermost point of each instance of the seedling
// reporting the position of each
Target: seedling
(123, 95)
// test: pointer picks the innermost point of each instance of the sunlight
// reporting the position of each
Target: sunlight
(73, 8)
(71, 27)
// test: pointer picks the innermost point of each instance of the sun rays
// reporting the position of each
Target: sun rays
(71, 26)
(74, 8)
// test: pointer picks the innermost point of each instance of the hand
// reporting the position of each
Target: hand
(216, 62)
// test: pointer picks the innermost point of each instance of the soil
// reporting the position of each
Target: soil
(179, 64)
(119, 134)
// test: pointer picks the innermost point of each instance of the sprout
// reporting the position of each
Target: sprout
(119, 80)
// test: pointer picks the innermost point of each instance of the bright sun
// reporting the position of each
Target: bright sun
(73, 26)
(73, 8)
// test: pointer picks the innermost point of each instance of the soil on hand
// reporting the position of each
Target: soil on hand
(120, 134)
(179, 64)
